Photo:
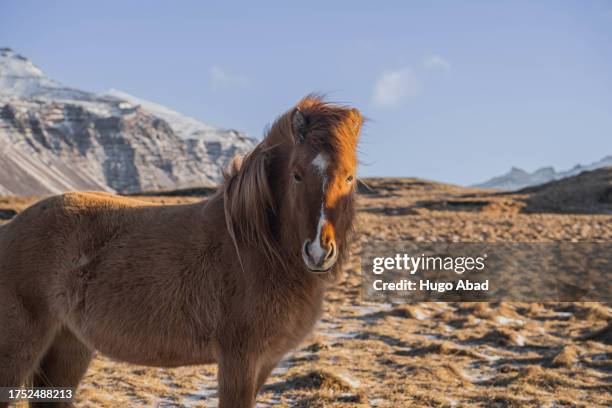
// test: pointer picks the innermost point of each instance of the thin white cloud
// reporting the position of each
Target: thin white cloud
(393, 88)
(221, 79)
(436, 63)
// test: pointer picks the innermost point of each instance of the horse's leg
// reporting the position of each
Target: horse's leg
(237, 379)
(63, 365)
(264, 373)
(25, 334)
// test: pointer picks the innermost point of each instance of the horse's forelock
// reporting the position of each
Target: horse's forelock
(331, 128)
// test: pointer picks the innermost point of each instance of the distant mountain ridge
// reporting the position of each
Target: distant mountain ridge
(517, 179)
(55, 138)
(589, 192)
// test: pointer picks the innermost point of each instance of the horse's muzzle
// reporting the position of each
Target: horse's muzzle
(321, 260)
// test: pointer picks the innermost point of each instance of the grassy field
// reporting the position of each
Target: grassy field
(422, 354)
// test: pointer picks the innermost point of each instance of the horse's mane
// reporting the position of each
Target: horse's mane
(248, 196)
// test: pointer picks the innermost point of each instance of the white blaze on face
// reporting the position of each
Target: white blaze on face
(320, 162)
(316, 250)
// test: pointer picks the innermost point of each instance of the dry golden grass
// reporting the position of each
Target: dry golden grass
(417, 355)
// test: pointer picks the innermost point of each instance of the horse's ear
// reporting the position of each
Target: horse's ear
(298, 125)
(233, 167)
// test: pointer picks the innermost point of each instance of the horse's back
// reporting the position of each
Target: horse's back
(53, 231)
(103, 265)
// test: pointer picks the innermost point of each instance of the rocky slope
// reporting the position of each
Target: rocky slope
(517, 178)
(54, 138)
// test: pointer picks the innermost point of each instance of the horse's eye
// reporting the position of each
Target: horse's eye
(349, 179)
(297, 178)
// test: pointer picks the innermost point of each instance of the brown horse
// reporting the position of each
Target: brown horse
(236, 280)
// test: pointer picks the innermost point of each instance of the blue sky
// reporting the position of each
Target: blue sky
(455, 91)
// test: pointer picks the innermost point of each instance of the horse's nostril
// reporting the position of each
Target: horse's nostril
(306, 251)
(332, 251)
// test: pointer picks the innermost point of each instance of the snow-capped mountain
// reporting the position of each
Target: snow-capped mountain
(55, 138)
(185, 126)
(517, 179)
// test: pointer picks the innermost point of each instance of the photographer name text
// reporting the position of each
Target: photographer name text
(430, 286)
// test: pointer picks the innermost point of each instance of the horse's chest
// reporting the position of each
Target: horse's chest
(292, 323)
